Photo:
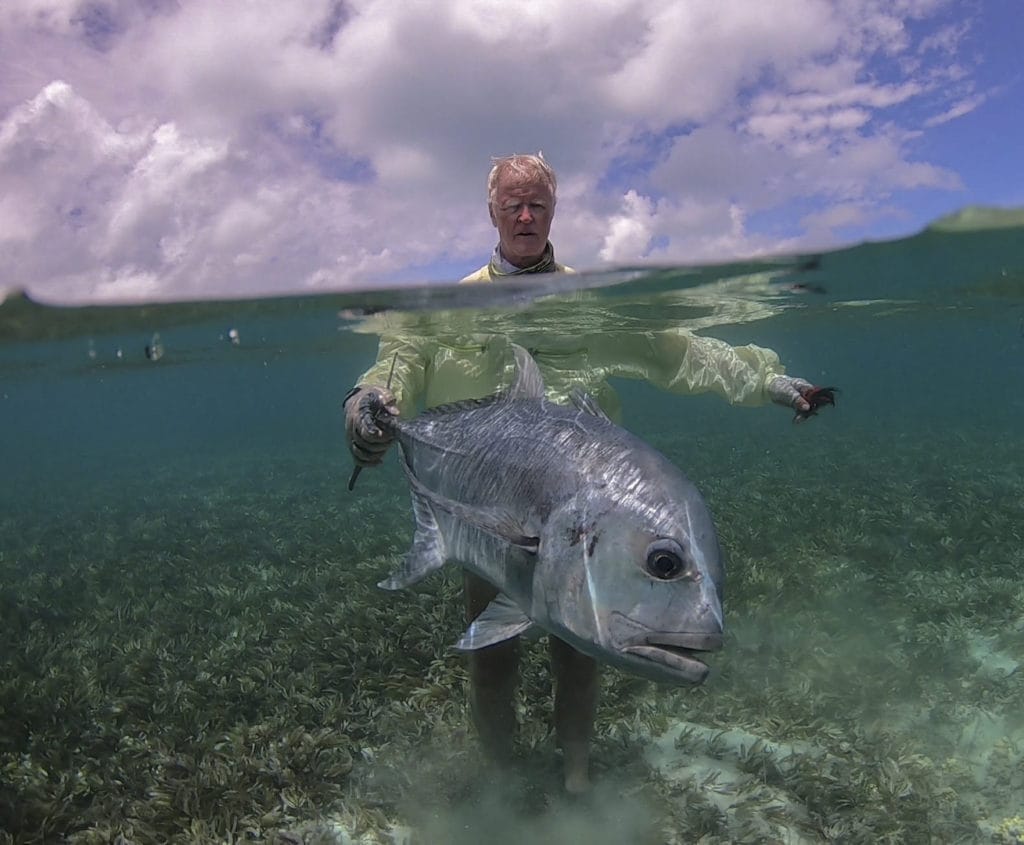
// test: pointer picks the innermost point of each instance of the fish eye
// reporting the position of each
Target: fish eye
(665, 560)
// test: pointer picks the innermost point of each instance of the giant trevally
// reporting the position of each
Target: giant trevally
(588, 532)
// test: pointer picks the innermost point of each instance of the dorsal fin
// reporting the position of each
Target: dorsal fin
(528, 382)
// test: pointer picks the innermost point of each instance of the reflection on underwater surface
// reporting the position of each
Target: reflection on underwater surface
(193, 648)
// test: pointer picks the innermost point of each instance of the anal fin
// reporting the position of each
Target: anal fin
(427, 553)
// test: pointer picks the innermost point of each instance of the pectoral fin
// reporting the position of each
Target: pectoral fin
(427, 552)
(500, 621)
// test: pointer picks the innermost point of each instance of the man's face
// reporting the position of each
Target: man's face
(522, 213)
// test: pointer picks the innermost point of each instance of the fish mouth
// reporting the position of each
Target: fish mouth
(677, 652)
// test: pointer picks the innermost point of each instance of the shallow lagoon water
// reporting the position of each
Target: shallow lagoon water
(193, 648)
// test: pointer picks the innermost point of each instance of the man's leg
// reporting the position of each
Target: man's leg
(493, 676)
(575, 705)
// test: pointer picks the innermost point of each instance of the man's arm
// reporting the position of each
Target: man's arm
(680, 361)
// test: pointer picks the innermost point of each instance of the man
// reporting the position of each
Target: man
(521, 202)
(437, 368)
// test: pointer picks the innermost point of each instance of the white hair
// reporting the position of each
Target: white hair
(525, 166)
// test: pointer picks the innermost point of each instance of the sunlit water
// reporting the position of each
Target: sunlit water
(193, 648)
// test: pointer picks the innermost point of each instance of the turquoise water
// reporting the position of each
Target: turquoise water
(193, 649)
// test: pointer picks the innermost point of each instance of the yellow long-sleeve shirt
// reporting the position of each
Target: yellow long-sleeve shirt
(577, 342)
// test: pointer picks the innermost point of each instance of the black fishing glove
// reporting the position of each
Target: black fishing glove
(363, 406)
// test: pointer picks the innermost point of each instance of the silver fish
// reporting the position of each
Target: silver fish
(588, 532)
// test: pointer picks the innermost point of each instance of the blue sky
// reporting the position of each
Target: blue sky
(181, 149)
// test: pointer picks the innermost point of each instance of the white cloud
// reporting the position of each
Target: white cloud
(946, 39)
(958, 109)
(161, 184)
(127, 283)
(629, 232)
(795, 127)
(181, 149)
(833, 96)
(61, 164)
(820, 225)
(694, 57)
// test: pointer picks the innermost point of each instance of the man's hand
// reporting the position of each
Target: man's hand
(788, 391)
(367, 441)
(800, 395)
